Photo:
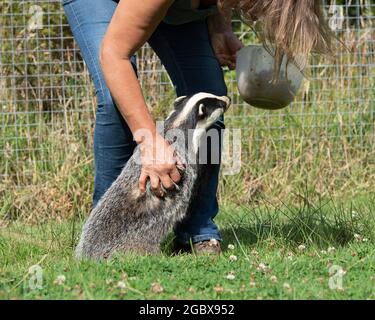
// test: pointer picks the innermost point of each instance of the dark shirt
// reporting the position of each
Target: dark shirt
(181, 12)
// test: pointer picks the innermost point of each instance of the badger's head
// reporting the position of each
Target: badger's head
(198, 111)
(193, 115)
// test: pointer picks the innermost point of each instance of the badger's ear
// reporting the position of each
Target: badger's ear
(178, 101)
(202, 110)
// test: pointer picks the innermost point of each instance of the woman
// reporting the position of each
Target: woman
(193, 39)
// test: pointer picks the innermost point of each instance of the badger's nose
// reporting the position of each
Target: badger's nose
(227, 102)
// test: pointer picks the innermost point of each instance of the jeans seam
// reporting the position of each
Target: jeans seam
(97, 73)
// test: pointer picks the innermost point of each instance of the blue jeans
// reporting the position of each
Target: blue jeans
(187, 55)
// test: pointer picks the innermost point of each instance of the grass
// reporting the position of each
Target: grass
(282, 253)
(298, 166)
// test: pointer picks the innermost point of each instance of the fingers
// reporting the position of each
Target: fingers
(177, 171)
(234, 44)
(231, 65)
(223, 59)
(167, 183)
(227, 60)
(160, 185)
(175, 175)
(142, 182)
(155, 186)
(180, 165)
(237, 45)
(232, 62)
(163, 178)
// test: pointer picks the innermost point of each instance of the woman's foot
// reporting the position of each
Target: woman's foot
(208, 247)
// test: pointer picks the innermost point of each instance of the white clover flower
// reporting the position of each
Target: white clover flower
(262, 266)
(286, 285)
(230, 246)
(323, 251)
(273, 279)
(231, 276)
(331, 249)
(301, 247)
(255, 253)
(121, 285)
(156, 287)
(60, 280)
(233, 258)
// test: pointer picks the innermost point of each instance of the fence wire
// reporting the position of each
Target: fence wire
(47, 103)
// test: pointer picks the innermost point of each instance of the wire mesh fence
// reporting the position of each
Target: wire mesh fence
(47, 102)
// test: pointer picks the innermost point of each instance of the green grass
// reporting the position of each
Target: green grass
(282, 253)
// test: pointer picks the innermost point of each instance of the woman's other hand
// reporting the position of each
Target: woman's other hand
(224, 42)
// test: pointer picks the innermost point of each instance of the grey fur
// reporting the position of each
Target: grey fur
(127, 221)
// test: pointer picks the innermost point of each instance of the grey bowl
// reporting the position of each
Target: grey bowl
(254, 71)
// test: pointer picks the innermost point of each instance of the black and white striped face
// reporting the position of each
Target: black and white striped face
(199, 111)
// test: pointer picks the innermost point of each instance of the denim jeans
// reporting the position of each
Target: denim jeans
(187, 55)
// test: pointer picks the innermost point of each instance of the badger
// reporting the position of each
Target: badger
(125, 220)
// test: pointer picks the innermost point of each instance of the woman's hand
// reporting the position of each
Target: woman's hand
(224, 42)
(159, 164)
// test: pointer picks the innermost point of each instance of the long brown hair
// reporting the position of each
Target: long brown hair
(294, 28)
